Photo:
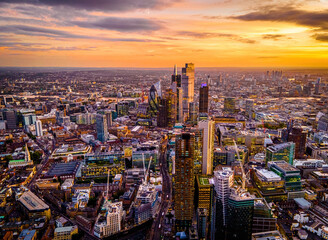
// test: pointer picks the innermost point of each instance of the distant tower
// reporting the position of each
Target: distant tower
(176, 77)
(184, 180)
(109, 119)
(38, 128)
(102, 130)
(203, 98)
(187, 84)
(153, 101)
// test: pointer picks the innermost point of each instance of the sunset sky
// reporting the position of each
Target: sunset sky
(160, 33)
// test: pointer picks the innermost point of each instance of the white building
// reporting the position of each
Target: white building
(38, 128)
(110, 223)
(223, 181)
(208, 145)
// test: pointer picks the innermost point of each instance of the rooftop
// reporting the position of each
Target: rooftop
(32, 202)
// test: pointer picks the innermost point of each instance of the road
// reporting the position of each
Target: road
(157, 227)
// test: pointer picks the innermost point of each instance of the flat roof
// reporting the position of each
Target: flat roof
(59, 169)
(203, 181)
(268, 175)
(278, 147)
(283, 166)
(32, 202)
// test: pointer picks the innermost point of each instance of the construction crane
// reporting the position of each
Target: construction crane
(146, 174)
(241, 166)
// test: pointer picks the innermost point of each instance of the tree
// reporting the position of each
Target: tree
(36, 157)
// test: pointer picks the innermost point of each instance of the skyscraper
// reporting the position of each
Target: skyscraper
(317, 86)
(179, 105)
(223, 181)
(208, 145)
(153, 101)
(102, 130)
(171, 107)
(193, 116)
(184, 180)
(203, 98)
(162, 116)
(249, 108)
(38, 128)
(240, 216)
(176, 77)
(187, 84)
(109, 119)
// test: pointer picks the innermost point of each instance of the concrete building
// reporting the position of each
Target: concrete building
(33, 206)
(187, 84)
(208, 145)
(38, 128)
(109, 223)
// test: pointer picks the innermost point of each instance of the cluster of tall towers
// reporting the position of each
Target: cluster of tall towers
(177, 104)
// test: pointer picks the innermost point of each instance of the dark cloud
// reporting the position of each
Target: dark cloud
(273, 36)
(121, 24)
(100, 5)
(323, 37)
(58, 34)
(204, 35)
(315, 19)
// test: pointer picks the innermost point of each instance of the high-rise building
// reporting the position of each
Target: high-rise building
(198, 157)
(102, 130)
(240, 216)
(153, 101)
(109, 119)
(249, 108)
(208, 145)
(193, 113)
(223, 181)
(298, 136)
(162, 115)
(171, 107)
(176, 77)
(10, 117)
(184, 180)
(278, 152)
(204, 193)
(110, 222)
(203, 98)
(187, 84)
(179, 105)
(38, 128)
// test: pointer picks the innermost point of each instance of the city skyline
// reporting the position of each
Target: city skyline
(161, 33)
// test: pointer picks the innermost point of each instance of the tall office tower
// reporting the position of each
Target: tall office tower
(298, 136)
(171, 98)
(229, 105)
(203, 98)
(198, 157)
(223, 181)
(208, 145)
(10, 117)
(176, 77)
(219, 80)
(184, 180)
(179, 105)
(240, 216)
(187, 84)
(162, 115)
(193, 113)
(38, 128)
(278, 152)
(102, 130)
(109, 119)
(249, 108)
(153, 101)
